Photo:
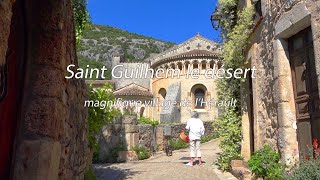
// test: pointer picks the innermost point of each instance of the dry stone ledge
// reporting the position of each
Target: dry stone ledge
(129, 128)
(129, 120)
(124, 156)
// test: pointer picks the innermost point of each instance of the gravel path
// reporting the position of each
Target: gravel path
(161, 167)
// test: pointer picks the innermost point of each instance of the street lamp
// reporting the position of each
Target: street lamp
(216, 19)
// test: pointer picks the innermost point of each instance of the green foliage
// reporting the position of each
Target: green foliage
(146, 120)
(236, 28)
(207, 138)
(81, 17)
(228, 10)
(99, 117)
(228, 128)
(177, 144)
(307, 170)
(237, 39)
(89, 174)
(310, 164)
(265, 163)
(142, 152)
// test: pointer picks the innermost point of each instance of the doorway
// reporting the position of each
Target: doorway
(305, 85)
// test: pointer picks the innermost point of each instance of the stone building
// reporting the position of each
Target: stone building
(281, 105)
(197, 52)
(43, 124)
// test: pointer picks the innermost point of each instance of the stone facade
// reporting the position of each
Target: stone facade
(197, 52)
(269, 113)
(51, 135)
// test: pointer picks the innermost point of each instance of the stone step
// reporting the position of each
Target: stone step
(240, 169)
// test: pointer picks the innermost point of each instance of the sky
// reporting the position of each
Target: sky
(168, 20)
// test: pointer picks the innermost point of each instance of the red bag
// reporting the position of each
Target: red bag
(184, 137)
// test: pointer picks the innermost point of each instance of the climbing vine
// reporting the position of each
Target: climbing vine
(235, 35)
(82, 18)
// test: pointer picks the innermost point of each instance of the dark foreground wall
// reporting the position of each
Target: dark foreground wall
(50, 139)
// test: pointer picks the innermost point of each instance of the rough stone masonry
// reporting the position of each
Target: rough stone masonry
(51, 139)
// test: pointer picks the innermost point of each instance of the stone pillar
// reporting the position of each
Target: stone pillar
(131, 130)
(287, 137)
(52, 139)
(207, 64)
(131, 135)
(183, 67)
(246, 108)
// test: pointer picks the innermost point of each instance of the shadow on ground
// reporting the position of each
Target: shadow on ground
(107, 172)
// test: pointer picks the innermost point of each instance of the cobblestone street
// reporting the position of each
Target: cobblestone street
(161, 167)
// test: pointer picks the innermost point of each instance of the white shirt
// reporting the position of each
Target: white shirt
(195, 128)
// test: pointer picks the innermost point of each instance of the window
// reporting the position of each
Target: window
(199, 92)
(204, 65)
(180, 66)
(162, 93)
(199, 98)
(195, 65)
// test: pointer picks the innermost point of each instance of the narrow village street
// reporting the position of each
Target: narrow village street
(161, 167)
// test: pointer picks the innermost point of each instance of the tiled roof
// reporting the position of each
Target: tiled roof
(133, 90)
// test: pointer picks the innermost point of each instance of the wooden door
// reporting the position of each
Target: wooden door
(305, 87)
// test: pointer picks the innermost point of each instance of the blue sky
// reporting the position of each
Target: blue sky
(169, 20)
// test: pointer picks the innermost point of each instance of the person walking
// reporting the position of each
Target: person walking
(196, 130)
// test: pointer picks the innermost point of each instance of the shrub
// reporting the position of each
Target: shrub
(307, 170)
(146, 120)
(310, 166)
(142, 152)
(99, 117)
(177, 144)
(228, 128)
(236, 28)
(265, 164)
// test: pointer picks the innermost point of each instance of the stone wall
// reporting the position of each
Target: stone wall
(125, 132)
(51, 142)
(147, 135)
(274, 114)
(164, 132)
